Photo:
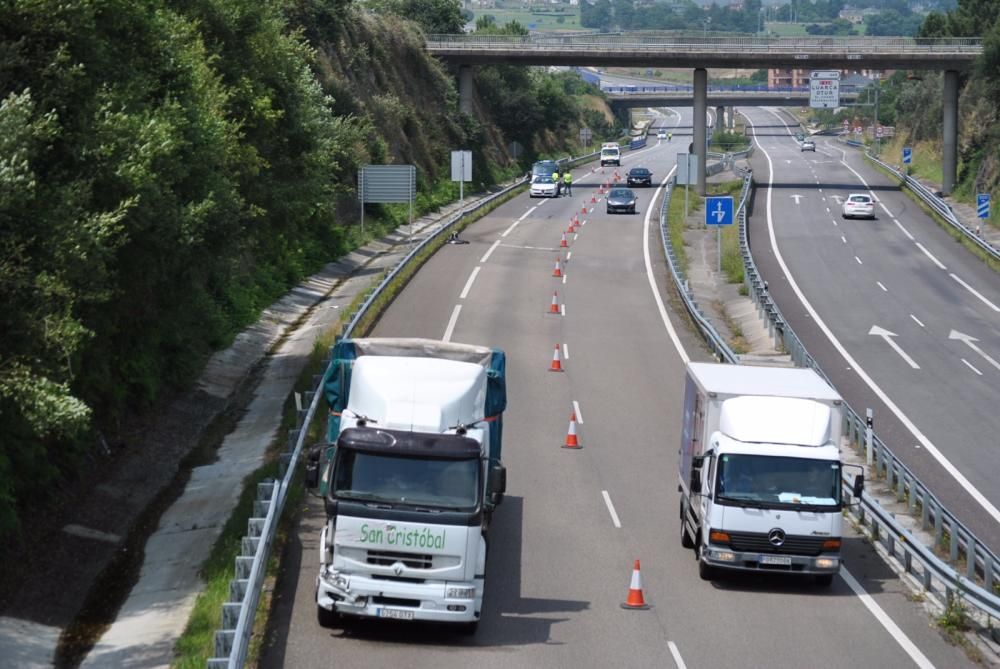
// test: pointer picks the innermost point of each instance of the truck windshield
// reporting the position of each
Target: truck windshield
(434, 483)
(761, 479)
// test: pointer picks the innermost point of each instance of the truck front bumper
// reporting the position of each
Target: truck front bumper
(726, 558)
(360, 595)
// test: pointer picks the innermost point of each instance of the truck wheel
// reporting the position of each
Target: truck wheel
(326, 618)
(824, 580)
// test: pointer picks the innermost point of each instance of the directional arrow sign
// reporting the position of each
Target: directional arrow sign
(955, 334)
(885, 334)
(797, 198)
(719, 210)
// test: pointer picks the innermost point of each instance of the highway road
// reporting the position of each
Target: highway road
(564, 541)
(900, 316)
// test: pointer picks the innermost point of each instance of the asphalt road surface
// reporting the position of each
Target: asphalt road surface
(564, 540)
(903, 319)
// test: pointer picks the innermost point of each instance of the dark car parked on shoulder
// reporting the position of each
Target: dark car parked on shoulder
(640, 176)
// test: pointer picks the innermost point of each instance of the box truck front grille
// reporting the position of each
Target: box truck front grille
(757, 542)
(389, 558)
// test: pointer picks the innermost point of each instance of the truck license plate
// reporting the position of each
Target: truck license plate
(775, 559)
(395, 614)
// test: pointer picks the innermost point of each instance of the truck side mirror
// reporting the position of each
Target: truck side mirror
(498, 483)
(696, 462)
(312, 466)
(859, 486)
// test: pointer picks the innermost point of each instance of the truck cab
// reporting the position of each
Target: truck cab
(611, 154)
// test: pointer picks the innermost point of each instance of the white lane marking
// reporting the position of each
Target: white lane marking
(880, 615)
(917, 320)
(565, 351)
(969, 365)
(859, 260)
(652, 279)
(569, 254)
(451, 323)
(577, 412)
(877, 331)
(512, 226)
(905, 231)
(678, 660)
(879, 284)
(843, 239)
(926, 443)
(528, 213)
(971, 343)
(887, 212)
(468, 284)
(562, 309)
(564, 279)
(828, 210)
(975, 292)
(929, 255)
(611, 509)
(486, 256)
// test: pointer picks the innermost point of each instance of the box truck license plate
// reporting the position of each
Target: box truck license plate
(775, 559)
(395, 614)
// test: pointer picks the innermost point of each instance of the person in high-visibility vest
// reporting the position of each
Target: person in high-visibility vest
(555, 178)
(670, 136)
(568, 183)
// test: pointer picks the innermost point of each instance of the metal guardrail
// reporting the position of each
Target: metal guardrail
(724, 43)
(978, 584)
(233, 638)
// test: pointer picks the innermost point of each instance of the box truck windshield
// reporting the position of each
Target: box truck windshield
(778, 482)
(386, 479)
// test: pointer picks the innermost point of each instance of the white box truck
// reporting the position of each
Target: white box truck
(410, 476)
(760, 470)
(611, 154)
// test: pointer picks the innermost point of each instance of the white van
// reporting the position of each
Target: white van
(611, 154)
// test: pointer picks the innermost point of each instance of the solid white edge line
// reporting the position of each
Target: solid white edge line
(969, 365)
(468, 284)
(451, 323)
(508, 230)
(486, 256)
(527, 213)
(676, 654)
(652, 279)
(974, 292)
(577, 412)
(905, 231)
(928, 254)
(611, 509)
(988, 506)
(880, 615)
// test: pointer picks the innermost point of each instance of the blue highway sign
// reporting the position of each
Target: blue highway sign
(983, 205)
(907, 155)
(719, 210)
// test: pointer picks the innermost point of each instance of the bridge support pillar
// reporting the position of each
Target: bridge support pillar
(732, 118)
(720, 118)
(465, 88)
(699, 146)
(949, 167)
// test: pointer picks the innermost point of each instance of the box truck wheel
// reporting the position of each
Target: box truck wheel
(686, 540)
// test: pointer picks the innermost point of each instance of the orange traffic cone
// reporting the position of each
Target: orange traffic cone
(576, 221)
(558, 270)
(583, 209)
(556, 362)
(571, 440)
(563, 243)
(593, 199)
(635, 600)
(554, 309)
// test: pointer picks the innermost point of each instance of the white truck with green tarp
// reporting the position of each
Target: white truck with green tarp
(410, 477)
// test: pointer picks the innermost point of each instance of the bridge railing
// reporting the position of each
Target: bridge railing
(976, 583)
(727, 43)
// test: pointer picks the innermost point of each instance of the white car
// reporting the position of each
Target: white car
(542, 185)
(859, 205)
(661, 134)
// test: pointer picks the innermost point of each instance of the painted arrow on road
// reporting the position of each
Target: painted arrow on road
(838, 198)
(797, 197)
(886, 335)
(955, 334)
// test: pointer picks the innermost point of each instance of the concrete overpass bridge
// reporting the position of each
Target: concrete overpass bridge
(648, 97)
(951, 55)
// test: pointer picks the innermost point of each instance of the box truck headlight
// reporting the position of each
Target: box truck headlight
(722, 556)
(827, 563)
(460, 593)
(334, 579)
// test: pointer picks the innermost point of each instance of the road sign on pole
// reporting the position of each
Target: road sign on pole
(907, 155)
(461, 171)
(983, 205)
(824, 89)
(585, 136)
